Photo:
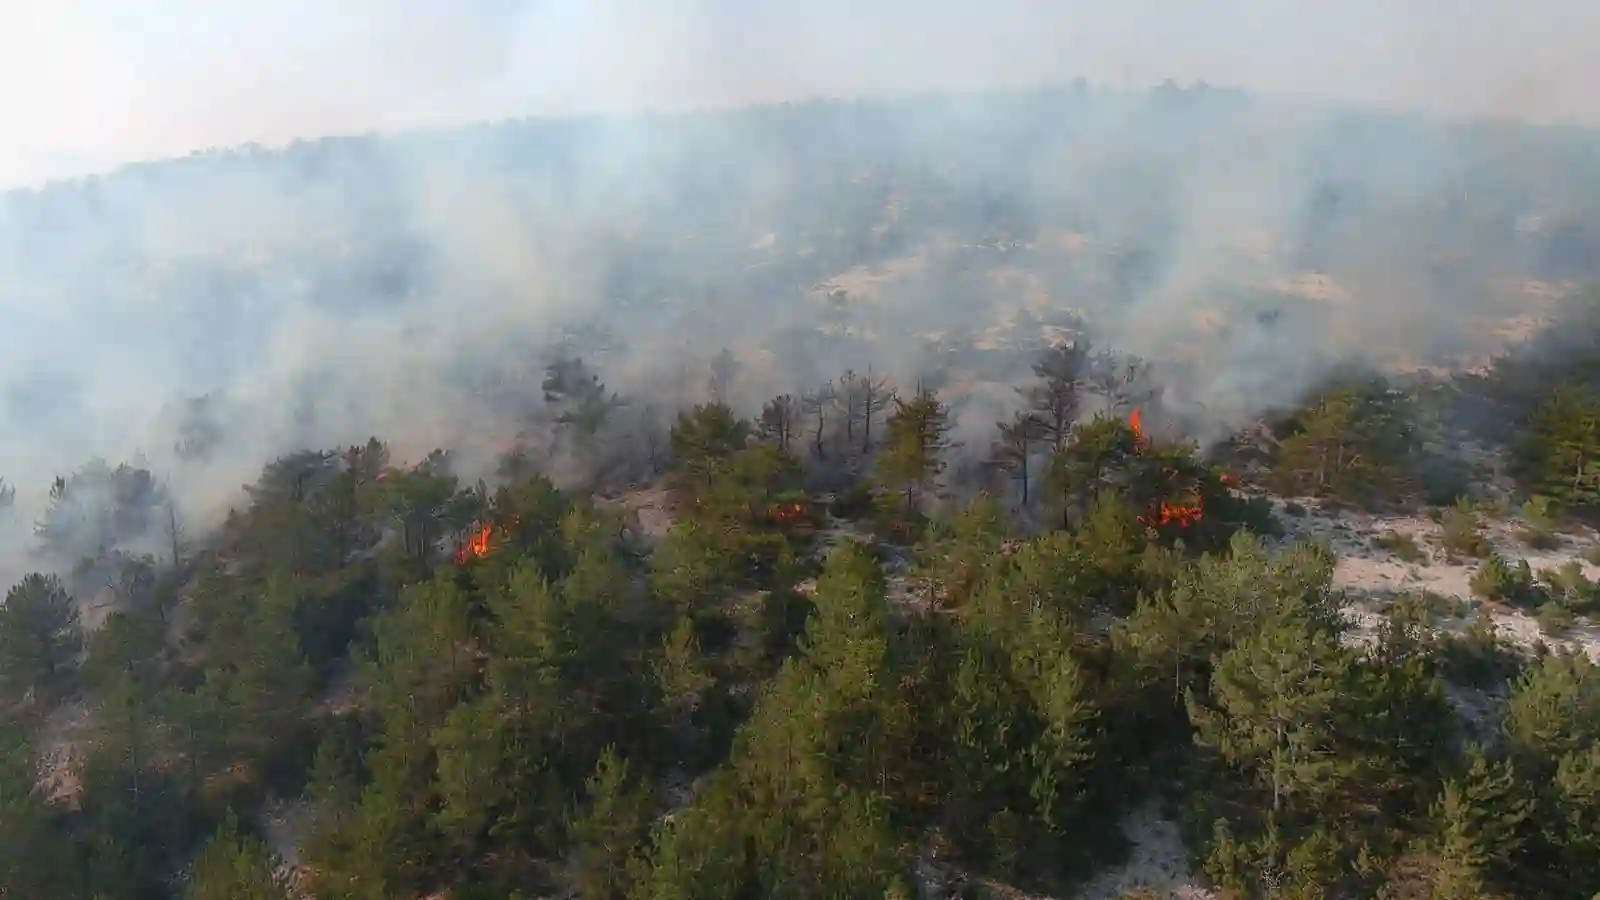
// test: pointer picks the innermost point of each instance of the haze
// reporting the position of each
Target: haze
(413, 285)
(87, 84)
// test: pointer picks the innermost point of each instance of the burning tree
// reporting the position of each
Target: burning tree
(1174, 491)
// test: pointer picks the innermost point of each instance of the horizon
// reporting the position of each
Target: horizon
(93, 88)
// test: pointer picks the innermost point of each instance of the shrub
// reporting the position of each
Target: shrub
(1463, 531)
(1540, 531)
(1554, 619)
(1501, 582)
(1403, 546)
(1480, 656)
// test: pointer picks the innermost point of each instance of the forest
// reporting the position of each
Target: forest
(862, 636)
(836, 670)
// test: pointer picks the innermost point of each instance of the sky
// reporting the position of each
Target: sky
(87, 84)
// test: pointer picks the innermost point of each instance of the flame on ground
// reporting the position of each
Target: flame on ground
(1169, 513)
(476, 545)
(788, 512)
(1163, 513)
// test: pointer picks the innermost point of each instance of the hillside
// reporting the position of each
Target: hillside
(826, 501)
(401, 285)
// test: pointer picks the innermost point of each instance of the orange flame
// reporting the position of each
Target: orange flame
(788, 512)
(1163, 513)
(1173, 514)
(475, 546)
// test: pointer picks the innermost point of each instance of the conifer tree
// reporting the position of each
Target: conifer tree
(913, 456)
(39, 637)
(235, 866)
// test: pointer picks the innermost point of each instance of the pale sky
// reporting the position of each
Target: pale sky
(85, 84)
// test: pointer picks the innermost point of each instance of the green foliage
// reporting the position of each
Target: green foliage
(580, 711)
(33, 860)
(1554, 710)
(1502, 582)
(610, 830)
(39, 637)
(704, 440)
(1462, 531)
(1481, 824)
(913, 455)
(1353, 442)
(1559, 455)
(235, 866)
(1403, 546)
(1539, 516)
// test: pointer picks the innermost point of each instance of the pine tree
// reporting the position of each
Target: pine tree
(1560, 452)
(1577, 789)
(1482, 823)
(235, 866)
(873, 395)
(33, 859)
(680, 669)
(39, 638)
(1278, 712)
(1014, 451)
(780, 420)
(819, 403)
(610, 830)
(704, 439)
(1554, 709)
(1056, 401)
(913, 457)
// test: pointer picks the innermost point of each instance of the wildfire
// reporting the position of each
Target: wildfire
(1163, 513)
(1169, 514)
(788, 512)
(476, 545)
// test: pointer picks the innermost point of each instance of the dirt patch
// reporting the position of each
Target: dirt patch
(1370, 574)
(650, 508)
(60, 748)
(1157, 861)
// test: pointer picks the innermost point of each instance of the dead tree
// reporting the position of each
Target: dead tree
(780, 420)
(876, 397)
(1119, 379)
(1019, 441)
(817, 403)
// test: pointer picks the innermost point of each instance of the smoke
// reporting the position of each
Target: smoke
(411, 286)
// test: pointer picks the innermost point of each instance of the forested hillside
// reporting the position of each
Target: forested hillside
(898, 686)
(1014, 615)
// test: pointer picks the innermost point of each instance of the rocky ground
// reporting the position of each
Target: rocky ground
(1372, 572)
